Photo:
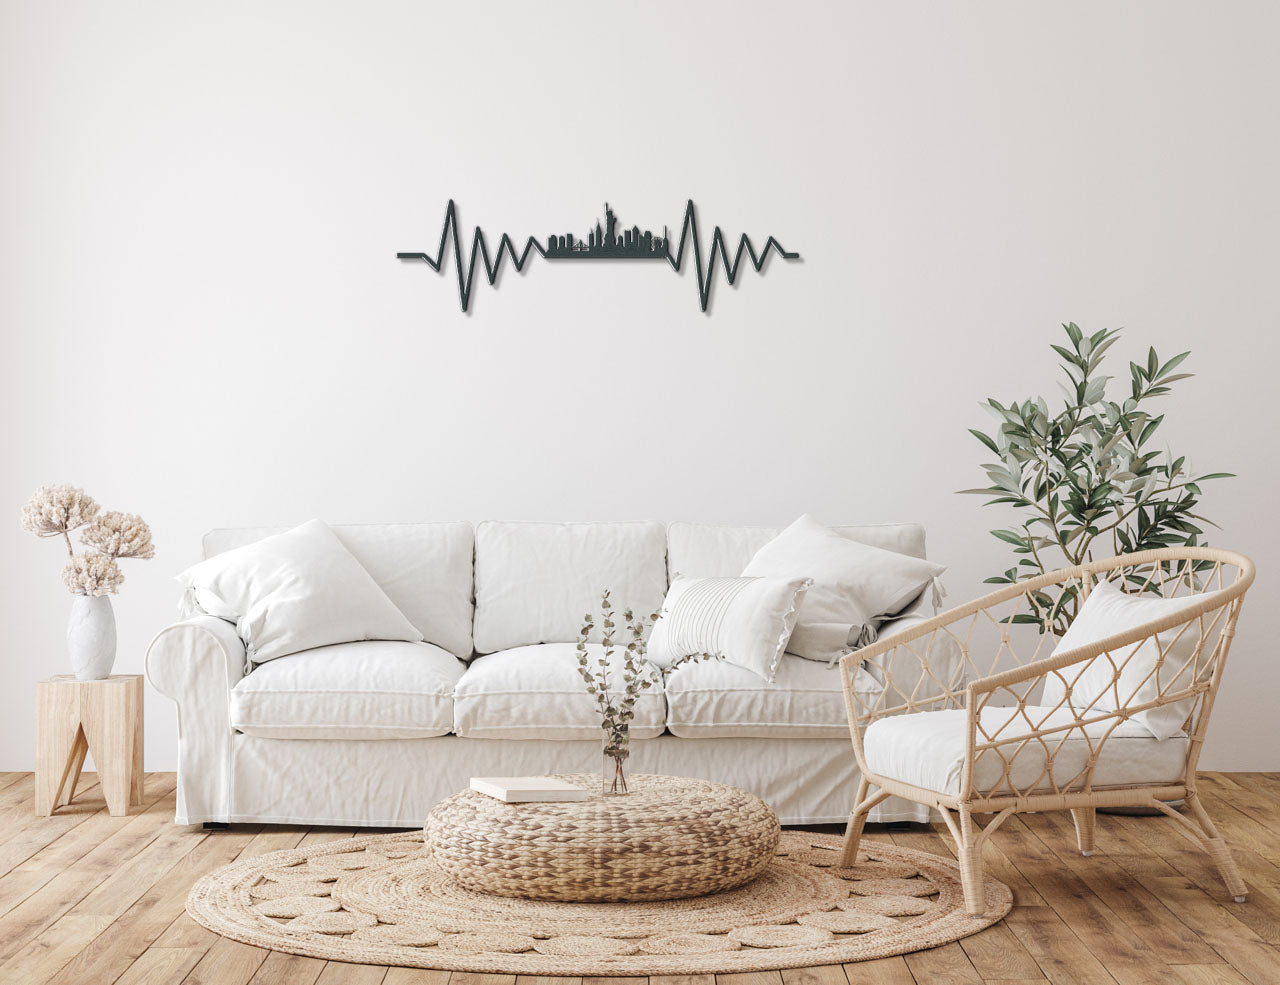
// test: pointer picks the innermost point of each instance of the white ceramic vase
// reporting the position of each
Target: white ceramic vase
(91, 637)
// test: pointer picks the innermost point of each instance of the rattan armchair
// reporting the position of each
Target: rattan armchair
(1009, 754)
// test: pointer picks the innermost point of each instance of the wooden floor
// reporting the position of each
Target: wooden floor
(90, 899)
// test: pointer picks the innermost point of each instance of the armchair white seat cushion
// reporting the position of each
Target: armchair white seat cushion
(375, 689)
(536, 692)
(711, 699)
(927, 749)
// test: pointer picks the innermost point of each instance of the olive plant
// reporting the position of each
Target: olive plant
(1087, 481)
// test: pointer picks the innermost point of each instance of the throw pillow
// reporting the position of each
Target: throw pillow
(1106, 612)
(747, 621)
(855, 586)
(294, 591)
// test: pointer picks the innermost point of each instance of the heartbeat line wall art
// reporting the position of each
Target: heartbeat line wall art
(604, 242)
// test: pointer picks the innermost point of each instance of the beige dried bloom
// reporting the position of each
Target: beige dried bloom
(53, 510)
(92, 574)
(118, 534)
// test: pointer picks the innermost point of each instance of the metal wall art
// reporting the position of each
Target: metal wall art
(605, 242)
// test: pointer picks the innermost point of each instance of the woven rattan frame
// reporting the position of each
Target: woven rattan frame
(988, 638)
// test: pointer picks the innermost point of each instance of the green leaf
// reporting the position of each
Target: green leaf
(1150, 429)
(985, 440)
(1009, 537)
(1171, 365)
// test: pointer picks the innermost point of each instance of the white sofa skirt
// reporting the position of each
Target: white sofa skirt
(393, 783)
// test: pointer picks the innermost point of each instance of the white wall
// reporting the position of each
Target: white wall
(204, 322)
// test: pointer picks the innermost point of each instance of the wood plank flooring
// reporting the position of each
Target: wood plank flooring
(91, 899)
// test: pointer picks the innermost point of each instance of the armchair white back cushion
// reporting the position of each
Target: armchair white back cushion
(294, 591)
(535, 581)
(1128, 675)
(424, 568)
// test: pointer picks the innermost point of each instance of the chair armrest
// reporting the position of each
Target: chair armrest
(197, 662)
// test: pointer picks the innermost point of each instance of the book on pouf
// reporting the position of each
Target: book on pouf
(527, 789)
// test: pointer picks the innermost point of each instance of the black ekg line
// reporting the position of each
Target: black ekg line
(600, 245)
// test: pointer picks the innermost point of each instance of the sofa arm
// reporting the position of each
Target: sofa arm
(196, 663)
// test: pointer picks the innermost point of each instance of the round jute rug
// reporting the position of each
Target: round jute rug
(380, 899)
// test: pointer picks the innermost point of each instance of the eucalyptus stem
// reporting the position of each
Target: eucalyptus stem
(617, 708)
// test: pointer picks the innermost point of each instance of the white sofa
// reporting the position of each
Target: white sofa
(375, 733)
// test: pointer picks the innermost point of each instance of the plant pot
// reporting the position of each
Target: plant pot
(91, 637)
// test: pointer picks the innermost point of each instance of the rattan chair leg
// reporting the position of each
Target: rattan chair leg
(970, 849)
(1216, 846)
(1084, 818)
(857, 818)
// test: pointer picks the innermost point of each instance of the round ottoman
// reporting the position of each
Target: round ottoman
(669, 838)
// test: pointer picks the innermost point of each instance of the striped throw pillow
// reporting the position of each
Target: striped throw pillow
(745, 621)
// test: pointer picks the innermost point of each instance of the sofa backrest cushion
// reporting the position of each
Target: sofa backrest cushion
(703, 550)
(535, 581)
(424, 568)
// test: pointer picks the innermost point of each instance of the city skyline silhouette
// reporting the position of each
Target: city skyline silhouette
(602, 243)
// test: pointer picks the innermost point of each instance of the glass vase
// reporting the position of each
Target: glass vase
(614, 770)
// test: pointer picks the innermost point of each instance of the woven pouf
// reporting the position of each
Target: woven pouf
(669, 838)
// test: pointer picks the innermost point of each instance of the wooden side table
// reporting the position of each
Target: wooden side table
(74, 717)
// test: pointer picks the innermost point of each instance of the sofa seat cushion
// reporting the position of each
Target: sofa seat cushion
(535, 692)
(375, 689)
(711, 699)
(926, 749)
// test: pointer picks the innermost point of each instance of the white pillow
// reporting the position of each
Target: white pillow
(747, 621)
(1109, 611)
(294, 591)
(855, 586)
